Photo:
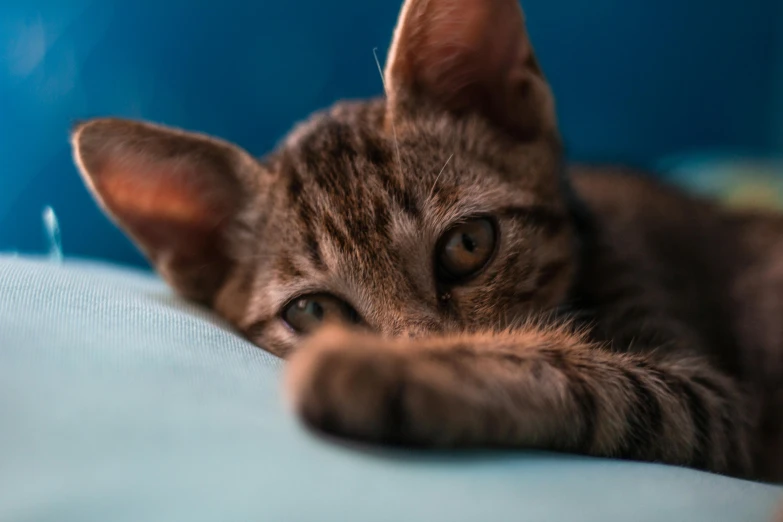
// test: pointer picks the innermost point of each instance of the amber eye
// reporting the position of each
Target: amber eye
(465, 250)
(305, 314)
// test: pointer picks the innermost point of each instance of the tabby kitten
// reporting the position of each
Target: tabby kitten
(439, 277)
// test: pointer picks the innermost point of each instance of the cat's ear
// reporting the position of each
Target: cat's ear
(174, 193)
(468, 56)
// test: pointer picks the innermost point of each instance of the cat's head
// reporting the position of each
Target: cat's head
(438, 208)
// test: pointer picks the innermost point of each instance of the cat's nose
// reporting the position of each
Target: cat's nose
(414, 329)
(413, 333)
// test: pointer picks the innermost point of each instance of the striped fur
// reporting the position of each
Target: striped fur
(536, 387)
(616, 318)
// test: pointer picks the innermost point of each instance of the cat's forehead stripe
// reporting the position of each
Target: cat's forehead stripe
(345, 187)
(346, 163)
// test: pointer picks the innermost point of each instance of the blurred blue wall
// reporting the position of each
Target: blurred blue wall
(779, 84)
(636, 81)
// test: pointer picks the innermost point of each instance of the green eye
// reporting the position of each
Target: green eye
(305, 314)
(466, 249)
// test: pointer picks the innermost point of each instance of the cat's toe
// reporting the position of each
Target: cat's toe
(349, 387)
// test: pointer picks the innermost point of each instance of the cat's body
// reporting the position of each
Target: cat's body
(684, 274)
(496, 297)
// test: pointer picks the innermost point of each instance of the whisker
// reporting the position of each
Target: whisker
(432, 190)
(394, 127)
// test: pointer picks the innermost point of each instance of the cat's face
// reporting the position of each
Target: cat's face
(438, 208)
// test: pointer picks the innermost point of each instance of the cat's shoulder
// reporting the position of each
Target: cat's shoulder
(631, 194)
(617, 183)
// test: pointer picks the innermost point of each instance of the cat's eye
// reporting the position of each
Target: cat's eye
(466, 249)
(305, 314)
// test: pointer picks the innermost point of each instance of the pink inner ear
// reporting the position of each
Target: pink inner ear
(174, 193)
(470, 56)
(168, 193)
(445, 46)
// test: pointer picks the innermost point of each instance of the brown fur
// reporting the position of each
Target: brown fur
(617, 317)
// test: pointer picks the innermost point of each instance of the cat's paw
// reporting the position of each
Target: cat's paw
(366, 388)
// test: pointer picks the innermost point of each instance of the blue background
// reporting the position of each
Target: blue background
(637, 81)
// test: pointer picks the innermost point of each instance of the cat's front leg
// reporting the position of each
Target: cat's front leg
(535, 388)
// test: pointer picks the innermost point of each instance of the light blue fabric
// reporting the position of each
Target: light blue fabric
(120, 403)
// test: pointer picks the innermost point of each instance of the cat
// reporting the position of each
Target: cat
(438, 276)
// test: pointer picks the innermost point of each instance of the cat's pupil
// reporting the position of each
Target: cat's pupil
(468, 243)
(316, 310)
